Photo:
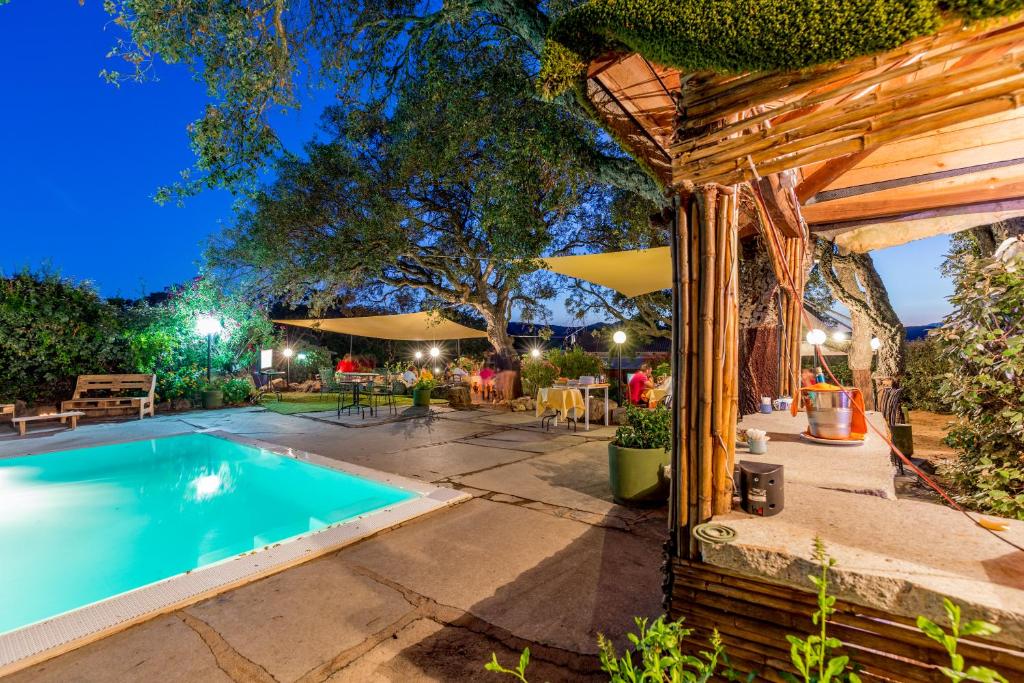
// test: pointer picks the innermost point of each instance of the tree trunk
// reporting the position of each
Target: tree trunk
(860, 355)
(854, 282)
(759, 326)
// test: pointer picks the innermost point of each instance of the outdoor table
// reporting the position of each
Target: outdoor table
(559, 399)
(586, 388)
(357, 380)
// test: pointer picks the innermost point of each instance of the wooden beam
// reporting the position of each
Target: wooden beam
(828, 173)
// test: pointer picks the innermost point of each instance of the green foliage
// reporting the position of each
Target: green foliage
(983, 342)
(575, 362)
(424, 384)
(812, 656)
(445, 199)
(927, 367)
(537, 373)
(236, 389)
(950, 641)
(732, 36)
(519, 672)
(315, 357)
(661, 657)
(662, 370)
(645, 428)
(163, 339)
(53, 331)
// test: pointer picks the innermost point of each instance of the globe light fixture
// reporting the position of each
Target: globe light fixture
(418, 355)
(816, 337)
(437, 370)
(876, 343)
(301, 357)
(535, 353)
(434, 352)
(208, 324)
(288, 353)
(839, 336)
(619, 337)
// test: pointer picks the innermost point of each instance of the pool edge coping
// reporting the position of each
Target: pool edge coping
(63, 633)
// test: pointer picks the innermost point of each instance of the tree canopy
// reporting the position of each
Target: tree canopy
(451, 194)
(256, 57)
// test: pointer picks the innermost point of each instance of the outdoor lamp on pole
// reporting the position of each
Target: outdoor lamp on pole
(208, 325)
(816, 337)
(619, 338)
(876, 343)
(419, 357)
(535, 353)
(288, 353)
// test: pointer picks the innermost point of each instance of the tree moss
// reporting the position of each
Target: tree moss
(729, 36)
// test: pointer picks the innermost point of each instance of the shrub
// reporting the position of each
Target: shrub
(922, 381)
(575, 362)
(53, 331)
(236, 390)
(164, 342)
(424, 384)
(537, 373)
(983, 342)
(645, 428)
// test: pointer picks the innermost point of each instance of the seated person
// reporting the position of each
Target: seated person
(640, 384)
(458, 374)
(409, 376)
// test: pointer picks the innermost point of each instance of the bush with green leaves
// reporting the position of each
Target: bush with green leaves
(236, 389)
(926, 369)
(574, 363)
(645, 428)
(537, 373)
(958, 669)
(164, 341)
(983, 342)
(54, 330)
(308, 361)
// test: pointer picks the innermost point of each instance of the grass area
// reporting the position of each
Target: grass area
(300, 402)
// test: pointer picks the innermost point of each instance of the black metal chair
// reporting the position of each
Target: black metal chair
(263, 386)
(383, 392)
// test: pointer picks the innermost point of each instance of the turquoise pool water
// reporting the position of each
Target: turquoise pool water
(84, 525)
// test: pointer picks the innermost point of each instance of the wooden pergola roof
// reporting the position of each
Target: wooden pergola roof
(880, 150)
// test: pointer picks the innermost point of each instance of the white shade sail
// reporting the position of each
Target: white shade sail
(422, 326)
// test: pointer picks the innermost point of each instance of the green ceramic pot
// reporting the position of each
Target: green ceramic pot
(636, 475)
(421, 397)
(213, 399)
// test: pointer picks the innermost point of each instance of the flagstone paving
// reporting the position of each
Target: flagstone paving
(540, 557)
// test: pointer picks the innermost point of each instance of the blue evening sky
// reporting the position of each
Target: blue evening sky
(82, 159)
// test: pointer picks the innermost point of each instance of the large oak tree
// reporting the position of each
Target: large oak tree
(451, 194)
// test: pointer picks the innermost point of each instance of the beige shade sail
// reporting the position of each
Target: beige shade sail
(631, 273)
(422, 326)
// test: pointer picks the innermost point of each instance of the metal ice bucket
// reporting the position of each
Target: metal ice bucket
(828, 416)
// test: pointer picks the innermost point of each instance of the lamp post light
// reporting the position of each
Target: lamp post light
(434, 352)
(288, 353)
(876, 343)
(535, 353)
(816, 337)
(619, 338)
(208, 325)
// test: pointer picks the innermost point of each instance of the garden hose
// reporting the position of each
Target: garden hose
(715, 533)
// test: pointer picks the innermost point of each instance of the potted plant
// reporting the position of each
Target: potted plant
(638, 456)
(213, 396)
(421, 391)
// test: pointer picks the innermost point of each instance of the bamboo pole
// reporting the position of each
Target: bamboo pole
(709, 199)
(680, 361)
(693, 374)
(721, 501)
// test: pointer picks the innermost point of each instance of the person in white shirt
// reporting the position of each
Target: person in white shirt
(409, 376)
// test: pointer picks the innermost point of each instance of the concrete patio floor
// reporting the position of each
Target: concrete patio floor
(540, 557)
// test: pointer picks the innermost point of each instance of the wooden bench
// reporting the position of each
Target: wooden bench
(106, 392)
(72, 415)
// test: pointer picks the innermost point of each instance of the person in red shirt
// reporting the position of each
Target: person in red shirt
(639, 384)
(347, 364)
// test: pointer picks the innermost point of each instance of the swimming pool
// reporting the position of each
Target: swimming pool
(81, 526)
